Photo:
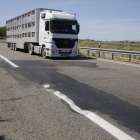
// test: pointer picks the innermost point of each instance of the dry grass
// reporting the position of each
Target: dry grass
(131, 46)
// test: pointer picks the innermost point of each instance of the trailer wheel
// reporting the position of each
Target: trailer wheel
(15, 47)
(11, 46)
(44, 52)
(8, 45)
(31, 48)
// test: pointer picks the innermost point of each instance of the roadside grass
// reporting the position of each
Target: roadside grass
(130, 46)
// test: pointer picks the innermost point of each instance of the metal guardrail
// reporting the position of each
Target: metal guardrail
(130, 53)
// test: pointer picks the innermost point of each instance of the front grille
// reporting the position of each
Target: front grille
(64, 43)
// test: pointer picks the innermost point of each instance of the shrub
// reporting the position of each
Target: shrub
(93, 54)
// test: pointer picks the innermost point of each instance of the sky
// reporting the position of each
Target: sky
(104, 20)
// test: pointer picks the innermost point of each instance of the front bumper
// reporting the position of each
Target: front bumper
(63, 55)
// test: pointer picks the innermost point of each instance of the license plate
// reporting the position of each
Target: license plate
(65, 51)
(65, 54)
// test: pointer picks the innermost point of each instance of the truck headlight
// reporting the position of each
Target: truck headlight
(54, 50)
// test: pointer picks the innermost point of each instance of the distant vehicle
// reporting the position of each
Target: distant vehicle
(47, 32)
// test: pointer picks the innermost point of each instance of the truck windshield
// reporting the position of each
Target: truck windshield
(64, 26)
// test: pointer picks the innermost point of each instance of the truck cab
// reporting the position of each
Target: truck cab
(58, 34)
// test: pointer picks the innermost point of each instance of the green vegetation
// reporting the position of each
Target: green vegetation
(2, 32)
(121, 45)
(93, 54)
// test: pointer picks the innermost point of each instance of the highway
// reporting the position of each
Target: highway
(78, 98)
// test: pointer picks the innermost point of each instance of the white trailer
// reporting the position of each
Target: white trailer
(47, 32)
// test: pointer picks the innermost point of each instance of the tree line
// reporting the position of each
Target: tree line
(3, 32)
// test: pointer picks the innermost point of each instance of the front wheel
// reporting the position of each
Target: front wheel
(44, 52)
(30, 48)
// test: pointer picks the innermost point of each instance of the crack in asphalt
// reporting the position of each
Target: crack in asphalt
(14, 99)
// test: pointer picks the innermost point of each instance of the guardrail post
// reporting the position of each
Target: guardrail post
(129, 58)
(87, 52)
(112, 56)
(99, 54)
(78, 51)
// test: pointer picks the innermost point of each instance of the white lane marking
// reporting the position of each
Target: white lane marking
(112, 61)
(11, 63)
(46, 86)
(92, 116)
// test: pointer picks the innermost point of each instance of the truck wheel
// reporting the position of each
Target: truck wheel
(8, 45)
(44, 52)
(30, 48)
(15, 47)
(11, 46)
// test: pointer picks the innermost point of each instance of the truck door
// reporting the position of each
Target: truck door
(44, 29)
(47, 31)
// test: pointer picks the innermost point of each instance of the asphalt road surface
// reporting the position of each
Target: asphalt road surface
(108, 91)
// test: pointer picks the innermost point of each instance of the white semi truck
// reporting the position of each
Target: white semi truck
(47, 32)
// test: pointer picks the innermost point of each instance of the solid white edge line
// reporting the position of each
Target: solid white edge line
(11, 63)
(112, 61)
(92, 116)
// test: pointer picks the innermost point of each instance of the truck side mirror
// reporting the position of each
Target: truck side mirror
(43, 15)
(78, 28)
(47, 26)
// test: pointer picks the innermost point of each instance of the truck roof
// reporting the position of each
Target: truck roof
(58, 14)
(30, 12)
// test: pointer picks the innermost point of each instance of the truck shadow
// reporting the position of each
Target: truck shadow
(79, 57)
(2, 137)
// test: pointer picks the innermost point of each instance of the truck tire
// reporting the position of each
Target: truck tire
(15, 47)
(44, 52)
(8, 45)
(31, 48)
(11, 46)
